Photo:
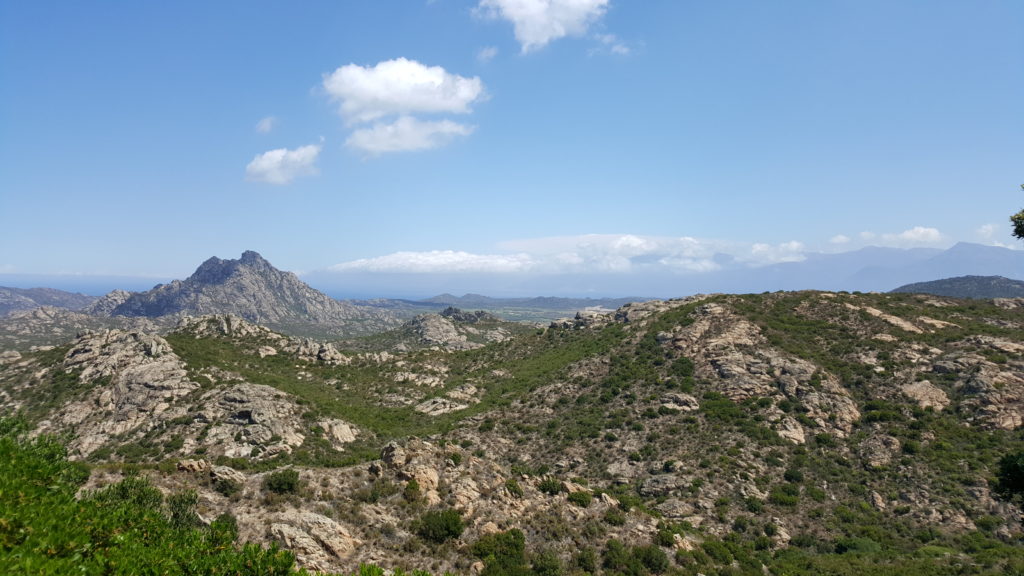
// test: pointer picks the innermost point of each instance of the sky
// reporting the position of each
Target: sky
(502, 138)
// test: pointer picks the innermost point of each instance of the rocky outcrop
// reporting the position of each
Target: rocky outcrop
(106, 305)
(141, 390)
(731, 349)
(318, 541)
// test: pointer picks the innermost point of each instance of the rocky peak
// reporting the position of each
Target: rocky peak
(254, 290)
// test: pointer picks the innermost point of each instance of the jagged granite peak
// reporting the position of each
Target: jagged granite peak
(253, 289)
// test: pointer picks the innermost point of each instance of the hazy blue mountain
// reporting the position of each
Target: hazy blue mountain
(12, 299)
(968, 287)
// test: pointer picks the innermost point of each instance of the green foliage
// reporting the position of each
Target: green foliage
(501, 552)
(122, 529)
(439, 526)
(513, 487)
(550, 486)
(284, 481)
(581, 498)
(1018, 222)
(1010, 476)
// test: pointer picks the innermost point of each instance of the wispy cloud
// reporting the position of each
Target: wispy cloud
(265, 125)
(486, 54)
(611, 43)
(406, 134)
(538, 22)
(282, 165)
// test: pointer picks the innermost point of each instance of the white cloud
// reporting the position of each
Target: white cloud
(839, 239)
(282, 165)
(444, 261)
(400, 87)
(406, 134)
(617, 254)
(762, 254)
(487, 53)
(986, 231)
(265, 125)
(914, 236)
(611, 43)
(538, 22)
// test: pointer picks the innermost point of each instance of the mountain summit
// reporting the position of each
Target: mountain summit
(251, 287)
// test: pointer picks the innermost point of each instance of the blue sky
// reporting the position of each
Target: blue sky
(502, 137)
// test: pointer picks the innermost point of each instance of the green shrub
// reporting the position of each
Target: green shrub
(581, 498)
(614, 517)
(550, 486)
(501, 552)
(284, 481)
(513, 487)
(439, 526)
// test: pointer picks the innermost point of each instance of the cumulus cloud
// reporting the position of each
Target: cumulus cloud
(486, 54)
(617, 254)
(399, 87)
(839, 239)
(443, 261)
(282, 165)
(265, 125)
(538, 22)
(762, 254)
(406, 134)
(914, 236)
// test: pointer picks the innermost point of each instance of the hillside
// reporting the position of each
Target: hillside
(14, 299)
(798, 433)
(968, 287)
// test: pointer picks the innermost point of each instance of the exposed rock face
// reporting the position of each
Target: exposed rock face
(146, 379)
(454, 329)
(141, 386)
(316, 540)
(731, 349)
(256, 291)
(926, 394)
(106, 305)
(48, 325)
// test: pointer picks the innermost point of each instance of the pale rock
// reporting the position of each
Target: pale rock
(791, 430)
(193, 466)
(926, 394)
(879, 450)
(438, 406)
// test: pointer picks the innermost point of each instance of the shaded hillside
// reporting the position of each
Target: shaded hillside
(968, 287)
(793, 433)
(252, 288)
(12, 299)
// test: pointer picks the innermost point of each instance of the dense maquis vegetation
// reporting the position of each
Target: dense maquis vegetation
(629, 447)
(125, 528)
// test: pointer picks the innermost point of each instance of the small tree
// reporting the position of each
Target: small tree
(1018, 221)
(1011, 474)
(440, 526)
(282, 481)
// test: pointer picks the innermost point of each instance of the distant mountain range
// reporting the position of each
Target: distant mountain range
(968, 287)
(12, 299)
